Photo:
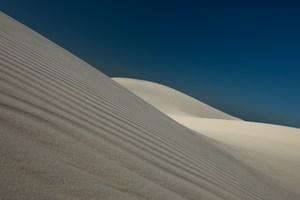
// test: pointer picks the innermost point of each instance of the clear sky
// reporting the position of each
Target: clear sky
(242, 57)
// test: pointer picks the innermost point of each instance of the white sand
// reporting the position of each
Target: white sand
(170, 101)
(272, 150)
(70, 132)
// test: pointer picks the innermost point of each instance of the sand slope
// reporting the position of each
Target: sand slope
(170, 101)
(70, 132)
(272, 150)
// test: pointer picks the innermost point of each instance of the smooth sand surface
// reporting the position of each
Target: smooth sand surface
(170, 101)
(271, 149)
(70, 132)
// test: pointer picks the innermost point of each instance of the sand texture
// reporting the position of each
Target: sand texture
(271, 150)
(70, 132)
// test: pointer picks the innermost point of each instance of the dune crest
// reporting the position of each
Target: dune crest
(70, 132)
(170, 101)
(271, 149)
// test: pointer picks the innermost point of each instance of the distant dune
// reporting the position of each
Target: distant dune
(170, 101)
(70, 132)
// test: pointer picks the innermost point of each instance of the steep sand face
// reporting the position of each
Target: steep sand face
(170, 101)
(69, 132)
(272, 150)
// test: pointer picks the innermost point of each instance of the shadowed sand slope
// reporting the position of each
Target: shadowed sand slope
(70, 132)
(272, 150)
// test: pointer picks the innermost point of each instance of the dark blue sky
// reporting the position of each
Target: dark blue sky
(241, 57)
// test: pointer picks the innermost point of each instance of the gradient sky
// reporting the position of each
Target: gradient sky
(241, 57)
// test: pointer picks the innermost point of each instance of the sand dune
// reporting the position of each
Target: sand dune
(271, 149)
(170, 101)
(70, 132)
